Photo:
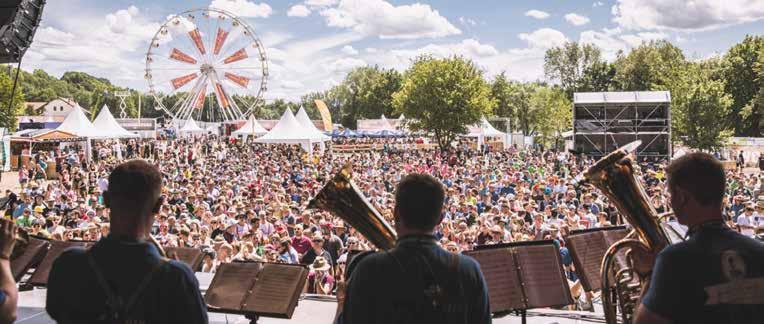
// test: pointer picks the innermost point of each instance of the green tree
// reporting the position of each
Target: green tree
(700, 104)
(555, 114)
(8, 116)
(526, 114)
(657, 65)
(443, 96)
(568, 63)
(598, 77)
(366, 92)
(744, 82)
(501, 92)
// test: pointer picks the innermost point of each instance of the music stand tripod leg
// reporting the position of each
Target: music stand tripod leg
(252, 318)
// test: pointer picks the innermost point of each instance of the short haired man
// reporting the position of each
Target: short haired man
(417, 281)
(122, 277)
(716, 276)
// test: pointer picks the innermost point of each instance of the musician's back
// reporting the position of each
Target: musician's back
(417, 282)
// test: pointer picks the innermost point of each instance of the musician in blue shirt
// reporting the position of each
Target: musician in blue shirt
(122, 278)
(417, 281)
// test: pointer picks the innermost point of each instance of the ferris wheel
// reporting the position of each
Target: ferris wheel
(206, 64)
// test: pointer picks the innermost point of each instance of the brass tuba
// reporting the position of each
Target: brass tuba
(341, 197)
(622, 282)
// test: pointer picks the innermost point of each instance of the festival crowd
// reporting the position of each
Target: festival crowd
(238, 201)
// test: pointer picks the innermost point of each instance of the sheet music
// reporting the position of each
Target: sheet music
(500, 273)
(40, 276)
(231, 284)
(190, 256)
(276, 289)
(589, 249)
(541, 273)
(611, 237)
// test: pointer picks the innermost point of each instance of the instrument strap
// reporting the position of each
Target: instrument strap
(116, 305)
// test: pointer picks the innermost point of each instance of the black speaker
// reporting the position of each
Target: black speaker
(19, 19)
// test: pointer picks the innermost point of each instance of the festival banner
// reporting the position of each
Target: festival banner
(240, 80)
(235, 57)
(178, 55)
(325, 115)
(197, 38)
(181, 81)
(200, 100)
(221, 95)
(220, 40)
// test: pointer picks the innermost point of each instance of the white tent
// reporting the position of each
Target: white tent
(483, 130)
(289, 131)
(250, 128)
(78, 124)
(304, 120)
(108, 126)
(191, 127)
(386, 124)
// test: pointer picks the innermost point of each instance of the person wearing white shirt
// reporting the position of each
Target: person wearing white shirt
(746, 222)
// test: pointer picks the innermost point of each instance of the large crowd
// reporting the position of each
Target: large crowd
(236, 200)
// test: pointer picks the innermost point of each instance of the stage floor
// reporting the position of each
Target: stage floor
(32, 311)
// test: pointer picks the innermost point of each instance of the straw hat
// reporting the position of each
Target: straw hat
(320, 264)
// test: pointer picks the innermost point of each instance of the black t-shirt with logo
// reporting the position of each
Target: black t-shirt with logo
(688, 275)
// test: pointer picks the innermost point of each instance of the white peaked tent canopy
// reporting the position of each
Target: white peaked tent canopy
(483, 130)
(108, 126)
(305, 122)
(289, 131)
(250, 128)
(191, 127)
(78, 124)
(385, 124)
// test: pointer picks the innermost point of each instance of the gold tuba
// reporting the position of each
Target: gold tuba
(622, 282)
(341, 197)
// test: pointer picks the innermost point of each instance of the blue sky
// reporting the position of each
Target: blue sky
(311, 44)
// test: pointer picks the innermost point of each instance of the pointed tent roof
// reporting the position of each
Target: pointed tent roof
(289, 131)
(250, 127)
(484, 129)
(304, 120)
(78, 124)
(191, 127)
(386, 124)
(108, 126)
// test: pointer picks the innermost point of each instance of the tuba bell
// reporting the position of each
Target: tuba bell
(341, 197)
(622, 282)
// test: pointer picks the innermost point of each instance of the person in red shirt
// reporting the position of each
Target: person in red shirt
(300, 242)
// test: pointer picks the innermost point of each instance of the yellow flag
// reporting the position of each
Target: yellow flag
(325, 115)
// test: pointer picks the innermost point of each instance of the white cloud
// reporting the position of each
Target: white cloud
(349, 50)
(685, 15)
(243, 8)
(611, 41)
(371, 50)
(380, 18)
(321, 3)
(467, 21)
(346, 64)
(544, 38)
(298, 11)
(538, 14)
(290, 84)
(597, 4)
(470, 48)
(576, 19)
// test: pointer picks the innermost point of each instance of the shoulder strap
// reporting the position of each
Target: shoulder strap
(116, 305)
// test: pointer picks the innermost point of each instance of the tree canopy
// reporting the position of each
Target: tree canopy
(443, 96)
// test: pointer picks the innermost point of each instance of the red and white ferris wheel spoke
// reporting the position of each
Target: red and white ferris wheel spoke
(238, 79)
(181, 56)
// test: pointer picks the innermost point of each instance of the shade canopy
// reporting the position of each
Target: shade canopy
(108, 126)
(250, 128)
(289, 131)
(191, 127)
(484, 129)
(78, 124)
(305, 122)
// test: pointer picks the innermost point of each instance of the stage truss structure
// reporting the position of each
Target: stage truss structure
(605, 121)
(206, 64)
